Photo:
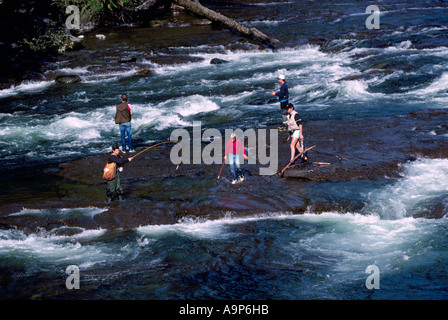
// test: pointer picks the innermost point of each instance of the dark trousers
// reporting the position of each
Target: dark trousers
(284, 109)
(114, 186)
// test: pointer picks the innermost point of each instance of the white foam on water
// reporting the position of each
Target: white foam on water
(423, 181)
(439, 85)
(46, 246)
(62, 212)
(205, 229)
(26, 87)
(194, 105)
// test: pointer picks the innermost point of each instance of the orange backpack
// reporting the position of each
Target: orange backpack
(109, 171)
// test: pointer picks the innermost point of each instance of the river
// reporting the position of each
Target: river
(336, 69)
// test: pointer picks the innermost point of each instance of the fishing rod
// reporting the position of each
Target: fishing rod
(155, 145)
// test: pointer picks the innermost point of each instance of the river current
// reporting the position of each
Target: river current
(336, 68)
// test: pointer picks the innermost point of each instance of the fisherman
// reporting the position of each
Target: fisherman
(114, 185)
(233, 148)
(123, 119)
(295, 129)
(283, 96)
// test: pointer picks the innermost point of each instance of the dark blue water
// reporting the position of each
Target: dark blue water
(335, 67)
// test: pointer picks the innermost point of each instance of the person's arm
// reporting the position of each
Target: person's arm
(118, 160)
(129, 108)
(299, 123)
(282, 92)
(240, 145)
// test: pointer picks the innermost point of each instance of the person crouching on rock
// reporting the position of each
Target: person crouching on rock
(114, 185)
(233, 148)
(295, 129)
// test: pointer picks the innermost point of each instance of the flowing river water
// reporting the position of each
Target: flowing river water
(336, 69)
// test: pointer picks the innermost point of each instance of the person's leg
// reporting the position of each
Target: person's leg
(299, 145)
(232, 165)
(129, 134)
(118, 187)
(293, 147)
(111, 186)
(237, 164)
(284, 111)
(123, 138)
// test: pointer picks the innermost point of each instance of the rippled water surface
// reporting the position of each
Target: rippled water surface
(335, 68)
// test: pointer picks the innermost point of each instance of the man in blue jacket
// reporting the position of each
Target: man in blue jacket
(283, 96)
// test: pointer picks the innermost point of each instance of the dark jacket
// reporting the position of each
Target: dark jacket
(123, 113)
(283, 94)
(118, 160)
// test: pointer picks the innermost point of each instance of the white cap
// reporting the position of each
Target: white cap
(282, 77)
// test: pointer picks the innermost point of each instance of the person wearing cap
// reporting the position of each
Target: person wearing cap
(283, 96)
(295, 128)
(114, 185)
(123, 116)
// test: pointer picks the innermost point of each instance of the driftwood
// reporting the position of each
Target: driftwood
(195, 7)
(295, 158)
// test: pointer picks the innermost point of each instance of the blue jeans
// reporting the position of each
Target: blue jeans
(125, 128)
(234, 160)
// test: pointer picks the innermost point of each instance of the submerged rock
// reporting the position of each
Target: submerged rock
(218, 61)
(68, 79)
(127, 59)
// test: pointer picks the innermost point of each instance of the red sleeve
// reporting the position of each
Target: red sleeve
(129, 108)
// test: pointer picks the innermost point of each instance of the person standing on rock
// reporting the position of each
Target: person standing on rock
(123, 117)
(114, 185)
(233, 148)
(295, 128)
(283, 96)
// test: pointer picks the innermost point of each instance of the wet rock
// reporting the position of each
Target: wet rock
(144, 72)
(218, 61)
(127, 59)
(352, 77)
(68, 79)
(370, 148)
(156, 192)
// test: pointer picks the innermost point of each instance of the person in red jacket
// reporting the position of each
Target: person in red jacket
(233, 148)
(123, 119)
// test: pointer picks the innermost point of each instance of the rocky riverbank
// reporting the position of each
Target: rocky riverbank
(157, 193)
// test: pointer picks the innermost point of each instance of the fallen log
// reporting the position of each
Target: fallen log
(195, 7)
(295, 158)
